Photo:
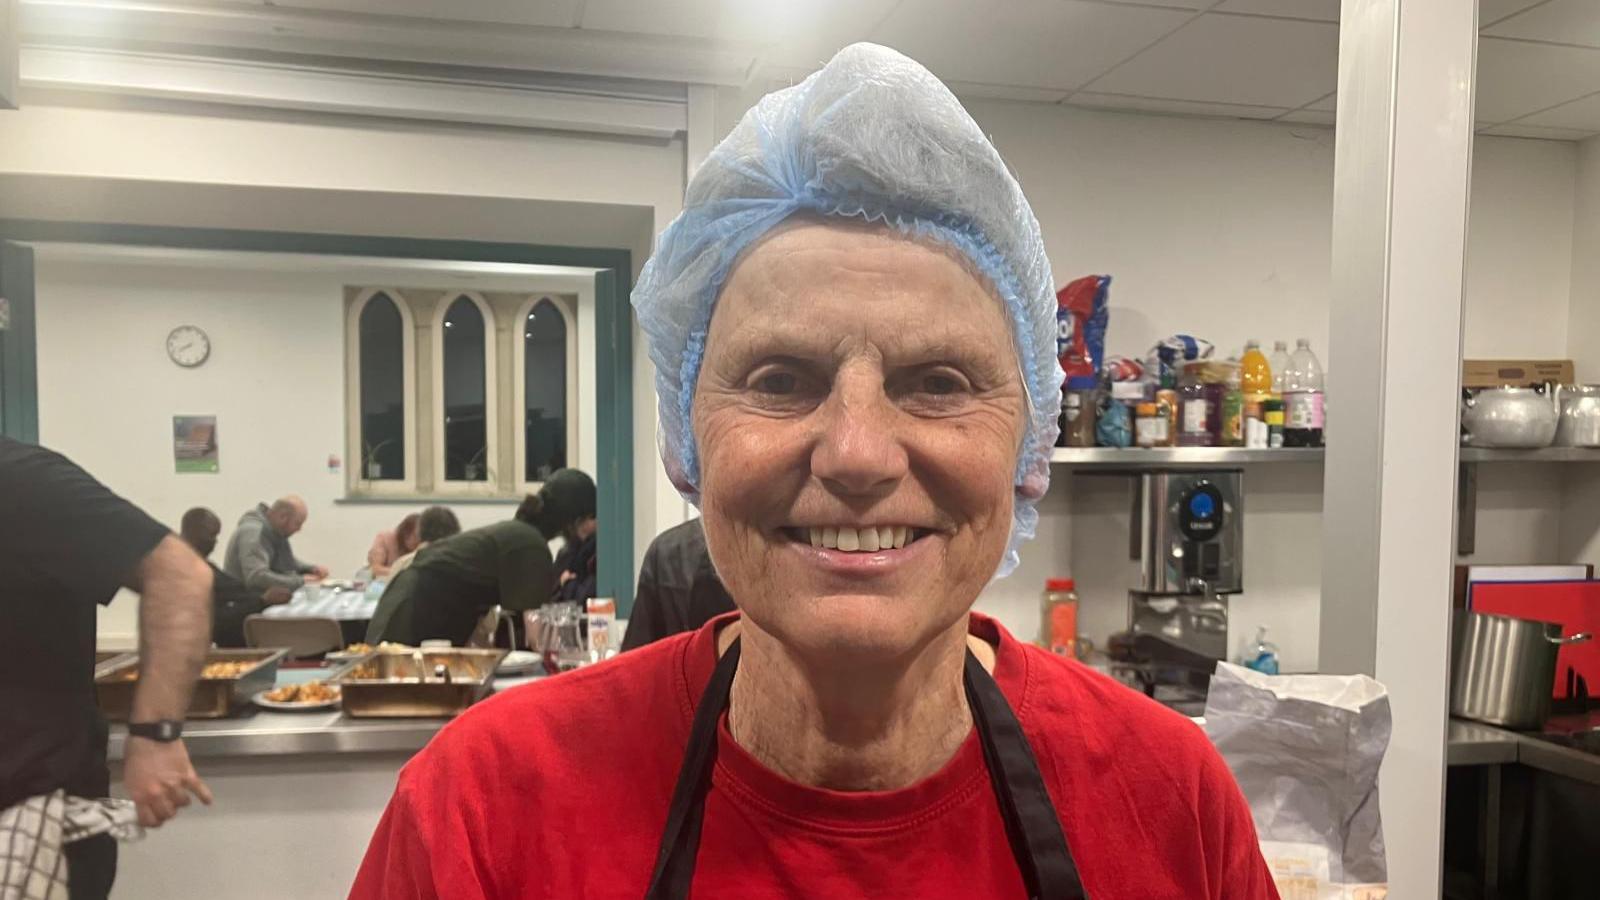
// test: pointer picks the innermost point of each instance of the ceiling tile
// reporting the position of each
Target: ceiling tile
(1309, 116)
(1582, 114)
(1517, 78)
(1492, 11)
(552, 13)
(1234, 59)
(1035, 43)
(1175, 4)
(983, 91)
(1558, 21)
(1517, 129)
(1319, 10)
(1180, 107)
(1329, 103)
(809, 32)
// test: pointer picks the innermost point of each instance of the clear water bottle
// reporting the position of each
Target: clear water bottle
(1303, 409)
(1279, 364)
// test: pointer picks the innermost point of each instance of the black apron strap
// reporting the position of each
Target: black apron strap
(1031, 824)
(1041, 849)
(680, 840)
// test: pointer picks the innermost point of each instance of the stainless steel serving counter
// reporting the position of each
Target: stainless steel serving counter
(259, 732)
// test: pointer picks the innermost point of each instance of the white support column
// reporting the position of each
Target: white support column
(1401, 173)
(700, 128)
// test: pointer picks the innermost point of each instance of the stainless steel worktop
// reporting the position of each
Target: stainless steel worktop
(1475, 744)
(259, 732)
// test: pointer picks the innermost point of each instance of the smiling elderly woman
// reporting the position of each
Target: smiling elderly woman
(853, 328)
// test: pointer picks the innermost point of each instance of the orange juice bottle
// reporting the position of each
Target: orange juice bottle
(1255, 374)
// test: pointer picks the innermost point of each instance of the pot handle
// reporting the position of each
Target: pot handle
(1578, 638)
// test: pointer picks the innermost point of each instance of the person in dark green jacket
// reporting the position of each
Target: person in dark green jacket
(454, 582)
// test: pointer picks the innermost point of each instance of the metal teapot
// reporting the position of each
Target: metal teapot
(1512, 417)
(1580, 416)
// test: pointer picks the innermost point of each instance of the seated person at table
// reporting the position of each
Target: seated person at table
(678, 587)
(231, 601)
(576, 563)
(258, 552)
(435, 524)
(453, 584)
(392, 544)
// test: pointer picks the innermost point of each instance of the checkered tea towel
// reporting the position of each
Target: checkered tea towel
(33, 833)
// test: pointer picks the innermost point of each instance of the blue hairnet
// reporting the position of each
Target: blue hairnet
(872, 135)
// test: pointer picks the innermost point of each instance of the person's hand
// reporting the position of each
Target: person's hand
(276, 596)
(159, 779)
(320, 572)
(567, 576)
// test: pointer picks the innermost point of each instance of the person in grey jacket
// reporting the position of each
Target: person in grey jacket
(258, 551)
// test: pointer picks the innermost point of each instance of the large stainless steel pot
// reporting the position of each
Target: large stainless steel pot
(1503, 669)
(1580, 416)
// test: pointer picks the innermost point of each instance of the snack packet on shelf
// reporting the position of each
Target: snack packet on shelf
(1081, 318)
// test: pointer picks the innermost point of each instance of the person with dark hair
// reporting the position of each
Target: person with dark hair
(678, 587)
(450, 585)
(435, 524)
(231, 601)
(67, 545)
(392, 544)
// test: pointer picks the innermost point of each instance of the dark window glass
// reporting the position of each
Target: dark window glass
(466, 428)
(383, 391)
(544, 380)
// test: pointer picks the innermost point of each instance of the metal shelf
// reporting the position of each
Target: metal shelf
(1135, 458)
(1541, 455)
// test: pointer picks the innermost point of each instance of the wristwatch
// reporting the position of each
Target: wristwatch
(165, 731)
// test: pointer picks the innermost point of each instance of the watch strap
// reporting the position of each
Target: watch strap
(165, 731)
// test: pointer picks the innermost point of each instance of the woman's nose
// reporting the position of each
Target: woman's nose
(858, 451)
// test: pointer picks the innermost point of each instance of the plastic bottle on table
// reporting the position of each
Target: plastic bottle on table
(1058, 617)
(1262, 654)
(1303, 399)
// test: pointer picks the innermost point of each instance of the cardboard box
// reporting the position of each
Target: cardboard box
(1491, 373)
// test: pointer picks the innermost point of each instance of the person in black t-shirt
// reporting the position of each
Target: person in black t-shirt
(67, 543)
(678, 588)
(231, 601)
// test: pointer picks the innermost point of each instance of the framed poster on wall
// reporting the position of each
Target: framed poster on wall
(194, 443)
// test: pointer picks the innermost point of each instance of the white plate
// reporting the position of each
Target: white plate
(517, 662)
(260, 699)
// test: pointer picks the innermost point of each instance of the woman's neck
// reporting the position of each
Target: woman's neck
(880, 727)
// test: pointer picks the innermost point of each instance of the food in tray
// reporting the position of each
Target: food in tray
(216, 669)
(358, 648)
(228, 668)
(310, 692)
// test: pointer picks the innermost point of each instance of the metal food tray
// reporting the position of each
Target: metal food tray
(390, 683)
(214, 698)
(106, 660)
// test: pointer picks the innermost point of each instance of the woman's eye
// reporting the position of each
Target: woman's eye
(777, 383)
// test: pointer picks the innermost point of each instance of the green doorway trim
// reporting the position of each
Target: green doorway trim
(613, 324)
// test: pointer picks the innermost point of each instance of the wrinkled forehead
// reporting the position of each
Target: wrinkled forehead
(827, 278)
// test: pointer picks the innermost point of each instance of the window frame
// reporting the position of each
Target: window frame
(490, 486)
(356, 482)
(519, 387)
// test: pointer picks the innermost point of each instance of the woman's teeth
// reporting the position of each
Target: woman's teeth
(862, 540)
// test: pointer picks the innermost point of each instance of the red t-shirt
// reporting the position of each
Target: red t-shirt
(560, 789)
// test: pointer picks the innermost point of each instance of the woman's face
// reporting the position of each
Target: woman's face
(857, 387)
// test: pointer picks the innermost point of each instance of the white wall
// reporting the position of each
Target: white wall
(275, 381)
